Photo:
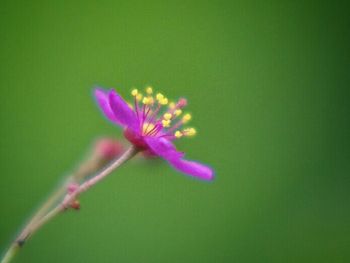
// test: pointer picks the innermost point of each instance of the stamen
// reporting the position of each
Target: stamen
(167, 116)
(136, 103)
(177, 112)
(159, 96)
(157, 128)
(134, 92)
(149, 90)
(177, 125)
(146, 101)
(151, 123)
(163, 101)
(143, 115)
(181, 103)
(154, 114)
(189, 132)
(139, 97)
(186, 117)
(147, 127)
(166, 123)
(178, 134)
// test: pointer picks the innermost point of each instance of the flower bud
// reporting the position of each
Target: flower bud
(108, 148)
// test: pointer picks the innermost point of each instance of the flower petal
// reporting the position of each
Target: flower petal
(163, 147)
(166, 149)
(103, 101)
(124, 114)
(193, 168)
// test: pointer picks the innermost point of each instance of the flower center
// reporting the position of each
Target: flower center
(147, 128)
(159, 117)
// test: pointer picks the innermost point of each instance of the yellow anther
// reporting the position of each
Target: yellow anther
(164, 101)
(177, 112)
(139, 97)
(172, 105)
(146, 101)
(178, 134)
(167, 116)
(190, 131)
(159, 96)
(134, 92)
(166, 123)
(186, 117)
(149, 90)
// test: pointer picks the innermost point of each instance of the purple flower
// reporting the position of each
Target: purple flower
(148, 124)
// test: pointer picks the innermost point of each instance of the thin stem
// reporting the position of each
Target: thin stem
(34, 226)
(45, 207)
(11, 253)
(84, 170)
(131, 152)
(89, 166)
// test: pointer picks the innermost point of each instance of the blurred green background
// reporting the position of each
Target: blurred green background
(268, 85)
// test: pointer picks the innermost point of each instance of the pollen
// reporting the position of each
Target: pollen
(134, 92)
(149, 90)
(186, 117)
(139, 97)
(163, 101)
(159, 96)
(177, 112)
(147, 100)
(167, 116)
(190, 131)
(178, 134)
(166, 123)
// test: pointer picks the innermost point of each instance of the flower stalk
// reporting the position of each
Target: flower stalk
(44, 215)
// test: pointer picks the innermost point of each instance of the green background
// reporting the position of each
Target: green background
(268, 85)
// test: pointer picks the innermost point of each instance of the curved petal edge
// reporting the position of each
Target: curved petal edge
(102, 100)
(192, 168)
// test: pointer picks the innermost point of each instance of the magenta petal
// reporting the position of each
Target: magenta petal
(166, 149)
(193, 168)
(124, 114)
(163, 147)
(103, 101)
